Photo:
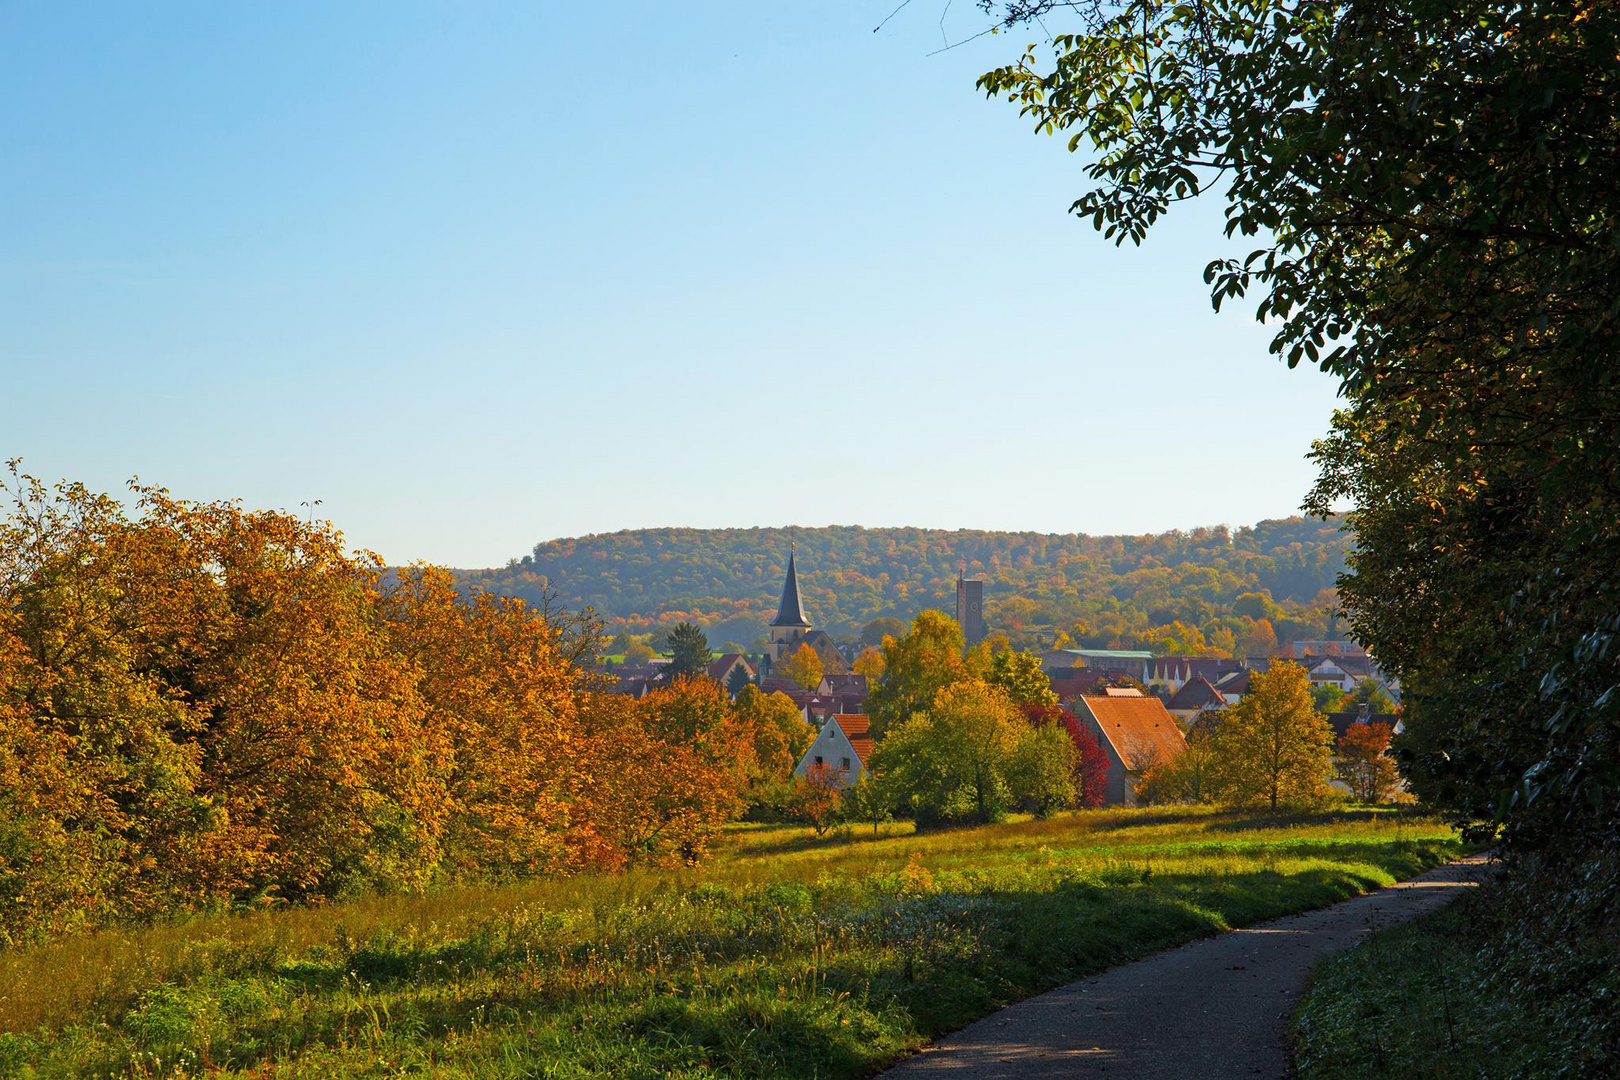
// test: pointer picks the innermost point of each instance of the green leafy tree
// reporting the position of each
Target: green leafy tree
(1328, 698)
(916, 666)
(951, 763)
(1430, 186)
(870, 802)
(689, 651)
(1019, 675)
(1041, 770)
(1367, 692)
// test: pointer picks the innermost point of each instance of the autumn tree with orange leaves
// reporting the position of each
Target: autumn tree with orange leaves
(201, 703)
(1364, 764)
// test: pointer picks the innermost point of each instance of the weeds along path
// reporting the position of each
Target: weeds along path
(1216, 1008)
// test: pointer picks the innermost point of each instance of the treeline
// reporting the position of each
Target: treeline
(201, 705)
(1178, 591)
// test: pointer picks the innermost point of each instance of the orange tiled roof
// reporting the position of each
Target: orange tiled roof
(1135, 724)
(857, 728)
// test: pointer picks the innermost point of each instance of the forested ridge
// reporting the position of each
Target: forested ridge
(1102, 590)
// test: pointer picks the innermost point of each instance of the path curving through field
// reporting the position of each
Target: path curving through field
(1215, 1009)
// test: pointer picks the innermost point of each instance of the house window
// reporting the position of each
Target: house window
(845, 765)
(819, 761)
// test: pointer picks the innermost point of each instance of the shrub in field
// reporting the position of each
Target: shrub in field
(817, 799)
(1041, 771)
(1090, 763)
(972, 757)
(662, 775)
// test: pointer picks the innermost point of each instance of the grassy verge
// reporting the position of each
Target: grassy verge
(788, 956)
(1440, 999)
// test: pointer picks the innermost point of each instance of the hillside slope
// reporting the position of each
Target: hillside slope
(1103, 590)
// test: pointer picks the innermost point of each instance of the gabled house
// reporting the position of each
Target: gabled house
(1194, 696)
(843, 747)
(720, 668)
(1135, 733)
(1343, 670)
(1234, 685)
(847, 684)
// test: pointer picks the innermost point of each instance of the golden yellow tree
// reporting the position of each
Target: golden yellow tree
(779, 731)
(802, 668)
(1273, 747)
(869, 663)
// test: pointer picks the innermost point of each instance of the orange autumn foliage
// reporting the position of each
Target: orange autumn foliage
(200, 703)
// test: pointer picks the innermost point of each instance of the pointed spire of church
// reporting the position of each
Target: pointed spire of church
(790, 612)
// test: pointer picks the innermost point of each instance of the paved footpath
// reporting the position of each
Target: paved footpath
(1217, 1008)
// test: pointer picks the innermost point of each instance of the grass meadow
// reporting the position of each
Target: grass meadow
(787, 955)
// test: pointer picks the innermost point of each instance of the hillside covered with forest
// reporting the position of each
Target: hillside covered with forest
(1205, 590)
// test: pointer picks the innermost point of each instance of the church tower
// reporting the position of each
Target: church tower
(970, 608)
(790, 626)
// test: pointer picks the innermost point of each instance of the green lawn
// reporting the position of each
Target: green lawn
(787, 956)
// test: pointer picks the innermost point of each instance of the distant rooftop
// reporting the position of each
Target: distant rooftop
(1111, 654)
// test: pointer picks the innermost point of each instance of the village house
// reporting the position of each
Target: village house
(1341, 671)
(1233, 685)
(1194, 696)
(847, 684)
(722, 667)
(842, 747)
(1135, 733)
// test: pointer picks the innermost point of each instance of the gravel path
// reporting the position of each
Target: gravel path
(1216, 1008)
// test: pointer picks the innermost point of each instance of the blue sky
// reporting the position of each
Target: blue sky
(479, 275)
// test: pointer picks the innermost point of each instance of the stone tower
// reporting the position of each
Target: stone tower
(790, 625)
(970, 609)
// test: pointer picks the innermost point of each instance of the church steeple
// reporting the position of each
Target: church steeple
(790, 612)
